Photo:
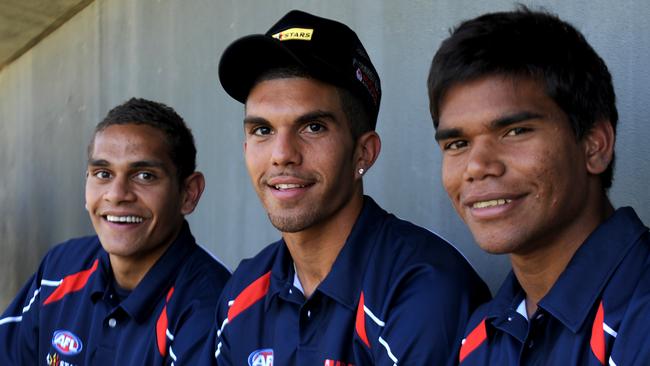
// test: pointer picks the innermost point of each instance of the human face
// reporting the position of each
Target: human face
(512, 166)
(299, 152)
(132, 192)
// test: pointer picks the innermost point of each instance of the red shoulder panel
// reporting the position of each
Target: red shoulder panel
(161, 326)
(474, 339)
(360, 324)
(251, 294)
(597, 341)
(72, 283)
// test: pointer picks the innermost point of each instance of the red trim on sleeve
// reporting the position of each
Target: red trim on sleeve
(598, 335)
(72, 283)
(474, 339)
(251, 294)
(360, 324)
(161, 326)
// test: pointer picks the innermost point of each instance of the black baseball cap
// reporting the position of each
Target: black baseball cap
(326, 49)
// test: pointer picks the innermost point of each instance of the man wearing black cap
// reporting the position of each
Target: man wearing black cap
(348, 283)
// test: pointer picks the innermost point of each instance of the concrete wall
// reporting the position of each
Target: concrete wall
(168, 50)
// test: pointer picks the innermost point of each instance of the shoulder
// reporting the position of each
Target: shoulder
(71, 256)
(404, 247)
(410, 264)
(203, 271)
(252, 269)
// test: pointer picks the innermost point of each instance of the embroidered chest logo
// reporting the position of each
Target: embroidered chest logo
(66, 342)
(261, 357)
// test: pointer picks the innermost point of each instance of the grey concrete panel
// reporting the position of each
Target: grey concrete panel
(166, 50)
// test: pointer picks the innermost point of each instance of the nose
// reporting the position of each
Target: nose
(119, 190)
(286, 149)
(483, 161)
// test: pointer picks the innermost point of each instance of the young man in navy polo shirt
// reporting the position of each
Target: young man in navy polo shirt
(141, 292)
(348, 283)
(525, 115)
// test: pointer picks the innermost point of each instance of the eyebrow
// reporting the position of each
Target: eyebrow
(310, 116)
(505, 121)
(137, 164)
(508, 120)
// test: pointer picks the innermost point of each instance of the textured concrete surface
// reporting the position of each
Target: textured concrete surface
(24, 23)
(167, 50)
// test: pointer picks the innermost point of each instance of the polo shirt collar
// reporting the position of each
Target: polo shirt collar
(99, 282)
(580, 285)
(156, 283)
(345, 279)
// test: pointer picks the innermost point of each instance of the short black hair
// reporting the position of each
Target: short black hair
(355, 110)
(139, 111)
(529, 44)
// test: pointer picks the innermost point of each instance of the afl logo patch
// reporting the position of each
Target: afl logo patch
(66, 342)
(261, 357)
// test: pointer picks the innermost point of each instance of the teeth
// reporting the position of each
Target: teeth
(288, 186)
(491, 203)
(127, 219)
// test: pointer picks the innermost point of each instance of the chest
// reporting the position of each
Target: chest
(290, 331)
(77, 331)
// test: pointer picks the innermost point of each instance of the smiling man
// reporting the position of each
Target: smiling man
(348, 283)
(526, 118)
(140, 292)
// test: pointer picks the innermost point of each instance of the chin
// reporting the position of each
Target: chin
(495, 246)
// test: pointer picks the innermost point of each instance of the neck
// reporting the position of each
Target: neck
(315, 249)
(130, 270)
(538, 270)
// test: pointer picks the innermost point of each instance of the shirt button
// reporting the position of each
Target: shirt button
(290, 291)
(112, 322)
(539, 316)
(531, 343)
(509, 318)
(309, 313)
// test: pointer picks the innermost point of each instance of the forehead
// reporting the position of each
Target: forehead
(490, 98)
(130, 142)
(292, 97)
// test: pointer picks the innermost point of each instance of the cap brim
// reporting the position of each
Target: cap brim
(246, 59)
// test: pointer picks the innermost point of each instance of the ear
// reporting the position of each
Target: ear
(366, 151)
(191, 192)
(599, 147)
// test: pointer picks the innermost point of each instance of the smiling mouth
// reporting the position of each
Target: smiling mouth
(288, 186)
(129, 219)
(491, 203)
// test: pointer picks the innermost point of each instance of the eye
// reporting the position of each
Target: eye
(145, 176)
(455, 145)
(102, 174)
(261, 131)
(517, 131)
(314, 127)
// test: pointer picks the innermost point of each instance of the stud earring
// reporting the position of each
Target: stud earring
(361, 171)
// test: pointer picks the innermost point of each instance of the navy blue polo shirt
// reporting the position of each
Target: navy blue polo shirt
(70, 312)
(597, 313)
(396, 294)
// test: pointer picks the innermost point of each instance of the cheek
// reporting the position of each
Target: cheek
(253, 162)
(91, 195)
(451, 177)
